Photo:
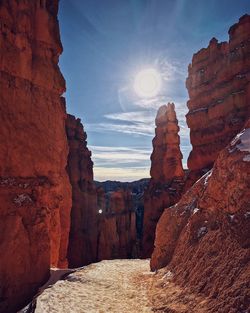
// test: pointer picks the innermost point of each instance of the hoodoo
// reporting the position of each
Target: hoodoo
(117, 229)
(53, 214)
(167, 174)
(35, 193)
(219, 91)
(82, 248)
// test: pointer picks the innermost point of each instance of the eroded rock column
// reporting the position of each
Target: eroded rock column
(83, 232)
(117, 228)
(167, 173)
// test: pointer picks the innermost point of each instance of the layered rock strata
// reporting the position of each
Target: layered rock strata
(219, 92)
(82, 248)
(167, 175)
(204, 239)
(117, 228)
(35, 194)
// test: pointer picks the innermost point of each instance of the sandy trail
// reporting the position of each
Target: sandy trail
(118, 286)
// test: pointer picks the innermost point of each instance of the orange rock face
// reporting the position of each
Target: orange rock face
(205, 237)
(167, 174)
(117, 229)
(102, 225)
(35, 194)
(219, 91)
(83, 232)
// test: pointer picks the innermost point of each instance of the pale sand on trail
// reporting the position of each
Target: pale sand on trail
(118, 286)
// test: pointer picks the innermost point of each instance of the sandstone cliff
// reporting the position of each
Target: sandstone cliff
(167, 175)
(35, 194)
(102, 224)
(219, 91)
(117, 228)
(205, 237)
(83, 232)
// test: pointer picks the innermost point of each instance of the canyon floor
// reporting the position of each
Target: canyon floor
(118, 286)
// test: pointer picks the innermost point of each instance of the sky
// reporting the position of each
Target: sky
(106, 44)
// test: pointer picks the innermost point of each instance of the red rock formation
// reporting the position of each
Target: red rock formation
(83, 232)
(167, 174)
(101, 201)
(35, 194)
(205, 237)
(102, 225)
(219, 91)
(117, 229)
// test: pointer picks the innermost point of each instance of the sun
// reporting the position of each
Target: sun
(147, 83)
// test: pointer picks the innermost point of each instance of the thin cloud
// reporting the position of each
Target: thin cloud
(137, 116)
(117, 156)
(131, 129)
(139, 123)
(172, 70)
(126, 163)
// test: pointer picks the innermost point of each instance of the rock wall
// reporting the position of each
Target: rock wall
(167, 175)
(102, 223)
(204, 239)
(219, 91)
(35, 194)
(117, 228)
(82, 248)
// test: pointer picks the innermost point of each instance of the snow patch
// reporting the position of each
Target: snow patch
(246, 158)
(22, 199)
(245, 141)
(207, 176)
(231, 217)
(196, 210)
(202, 231)
(168, 274)
(198, 110)
(244, 145)
(106, 286)
(247, 214)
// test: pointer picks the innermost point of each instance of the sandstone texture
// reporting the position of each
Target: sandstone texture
(102, 223)
(117, 225)
(119, 286)
(167, 174)
(219, 91)
(82, 248)
(204, 239)
(35, 194)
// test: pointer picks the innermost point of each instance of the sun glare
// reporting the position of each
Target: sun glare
(147, 83)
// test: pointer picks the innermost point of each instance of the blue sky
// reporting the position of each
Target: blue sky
(106, 43)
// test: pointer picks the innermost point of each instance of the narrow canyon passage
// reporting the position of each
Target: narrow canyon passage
(118, 286)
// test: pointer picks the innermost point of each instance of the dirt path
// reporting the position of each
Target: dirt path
(118, 286)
